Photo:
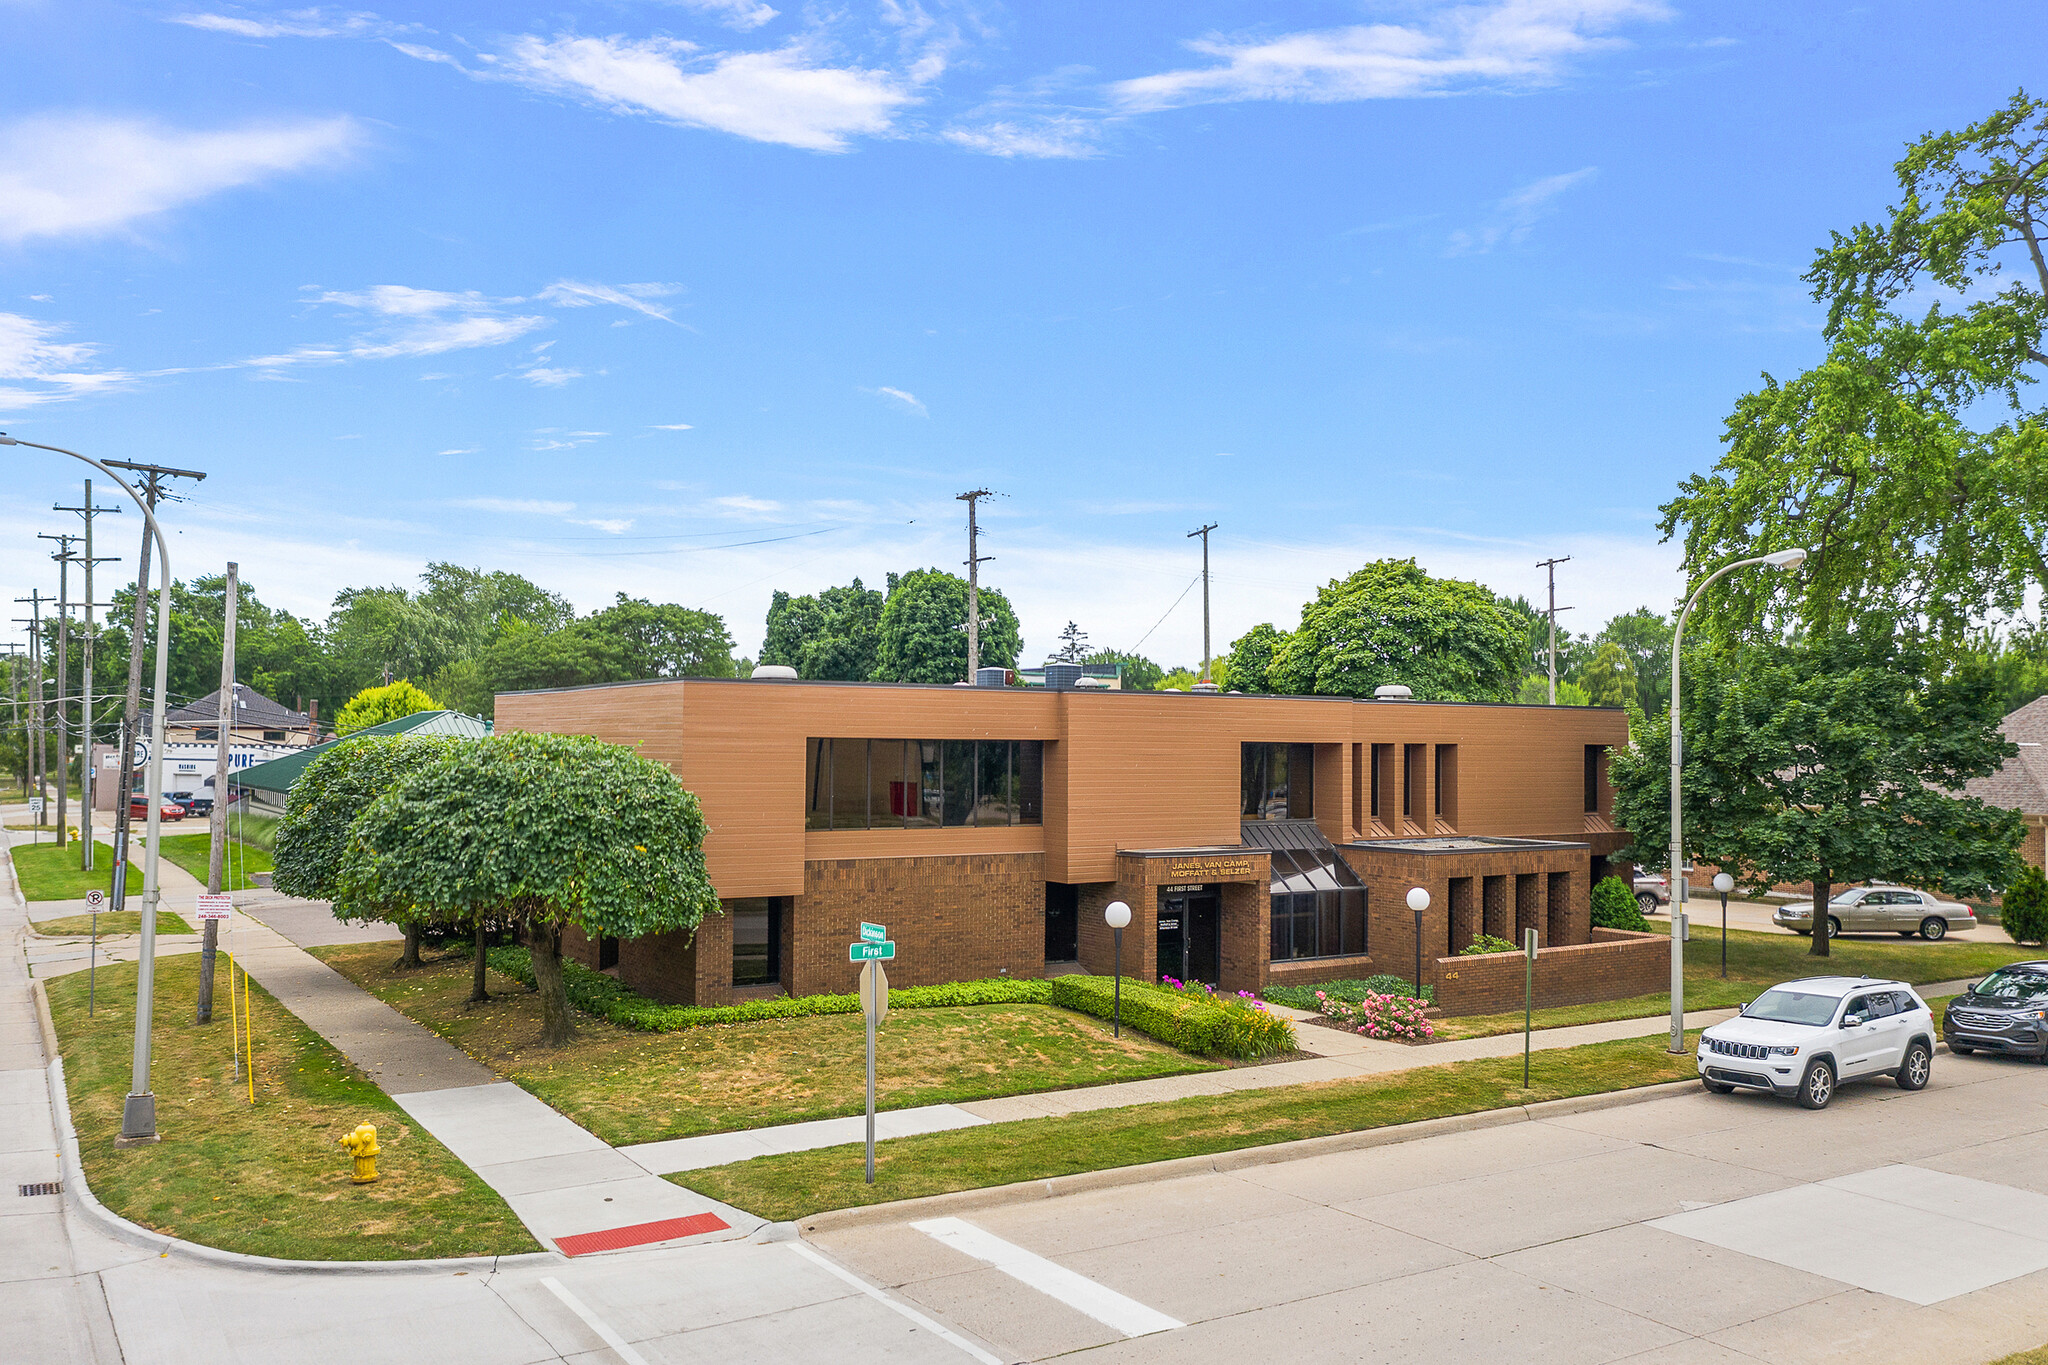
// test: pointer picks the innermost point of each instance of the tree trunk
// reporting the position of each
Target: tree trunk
(544, 944)
(478, 994)
(1822, 894)
(411, 957)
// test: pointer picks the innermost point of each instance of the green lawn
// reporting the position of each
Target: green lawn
(269, 1179)
(627, 1086)
(1756, 961)
(192, 852)
(110, 924)
(50, 873)
(802, 1183)
(2037, 1356)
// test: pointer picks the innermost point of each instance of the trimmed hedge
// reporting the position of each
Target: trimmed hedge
(1351, 990)
(1203, 1027)
(597, 994)
(1614, 907)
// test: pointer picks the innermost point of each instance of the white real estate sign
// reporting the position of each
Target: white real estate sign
(215, 907)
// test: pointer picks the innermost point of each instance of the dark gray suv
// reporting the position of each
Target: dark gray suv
(2005, 1012)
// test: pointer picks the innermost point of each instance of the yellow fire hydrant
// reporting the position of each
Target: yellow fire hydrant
(362, 1145)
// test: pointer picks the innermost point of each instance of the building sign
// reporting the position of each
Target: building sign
(1220, 868)
(1186, 886)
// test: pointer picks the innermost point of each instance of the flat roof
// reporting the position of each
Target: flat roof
(1460, 843)
(1041, 692)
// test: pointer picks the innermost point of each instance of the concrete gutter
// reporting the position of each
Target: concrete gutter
(1030, 1191)
(80, 1197)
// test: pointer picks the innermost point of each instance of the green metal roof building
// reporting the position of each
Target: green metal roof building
(273, 779)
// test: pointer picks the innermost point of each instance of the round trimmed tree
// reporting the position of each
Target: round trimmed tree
(318, 810)
(545, 831)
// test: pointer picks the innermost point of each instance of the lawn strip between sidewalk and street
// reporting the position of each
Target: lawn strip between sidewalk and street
(631, 1087)
(194, 852)
(1756, 962)
(50, 873)
(798, 1184)
(110, 924)
(268, 1179)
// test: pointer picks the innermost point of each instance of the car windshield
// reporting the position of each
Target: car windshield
(1847, 897)
(2013, 987)
(1793, 1007)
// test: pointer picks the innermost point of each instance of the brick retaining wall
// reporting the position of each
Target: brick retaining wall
(1617, 964)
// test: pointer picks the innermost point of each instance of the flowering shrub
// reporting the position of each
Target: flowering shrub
(1348, 988)
(1379, 1016)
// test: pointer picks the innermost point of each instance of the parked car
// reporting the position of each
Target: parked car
(138, 809)
(195, 803)
(1804, 1038)
(1878, 909)
(2005, 1012)
(1652, 890)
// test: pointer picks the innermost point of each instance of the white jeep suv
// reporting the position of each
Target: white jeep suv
(1806, 1037)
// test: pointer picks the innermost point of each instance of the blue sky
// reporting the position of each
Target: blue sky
(700, 299)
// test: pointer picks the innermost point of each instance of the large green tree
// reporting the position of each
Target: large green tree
(1140, 673)
(375, 705)
(922, 636)
(1390, 622)
(1833, 761)
(1912, 460)
(663, 640)
(543, 831)
(1609, 677)
(832, 634)
(312, 838)
(1645, 637)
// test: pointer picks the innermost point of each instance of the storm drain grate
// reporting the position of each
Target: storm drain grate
(46, 1187)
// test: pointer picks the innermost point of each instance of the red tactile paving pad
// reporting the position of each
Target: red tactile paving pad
(640, 1234)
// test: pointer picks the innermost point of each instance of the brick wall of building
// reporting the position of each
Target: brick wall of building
(952, 919)
(1617, 964)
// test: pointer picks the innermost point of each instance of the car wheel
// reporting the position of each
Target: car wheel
(1718, 1087)
(1646, 902)
(1817, 1087)
(1915, 1067)
(1834, 926)
(1960, 1050)
(1933, 927)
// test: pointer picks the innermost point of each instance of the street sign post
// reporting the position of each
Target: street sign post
(871, 952)
(1528, 997)
(874, 1006)
(94, 899)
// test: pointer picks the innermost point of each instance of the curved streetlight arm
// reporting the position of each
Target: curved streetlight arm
(1781, 559)
(138, 1114)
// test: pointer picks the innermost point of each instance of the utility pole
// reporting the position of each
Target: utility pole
(39, 758)
(150, 484)
(64, 559)
(1551, 566)
(974, 562)
(85, 767)
(217, 856)
(14, 708)
(1203, 532)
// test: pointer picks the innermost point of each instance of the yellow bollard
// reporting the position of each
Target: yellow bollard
(362, 1145)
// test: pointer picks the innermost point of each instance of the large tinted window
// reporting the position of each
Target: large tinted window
(1278, 781)
(756, 940)
(909, 783)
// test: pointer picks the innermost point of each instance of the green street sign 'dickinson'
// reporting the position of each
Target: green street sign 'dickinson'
(873, 933)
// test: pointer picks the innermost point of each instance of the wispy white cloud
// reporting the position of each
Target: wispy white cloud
(467, 450)
(740, 14)
(409, 322)
(1514, 43)
(549, 376)
(1043, 137)
(614, 526)
(526, 507)
(301, 23)
(743, 506)
(908, 401)
(671, 426)
(790, 95)
(64, 175)
(1516, 215)
(554, 438)
(36, 368)
(578, 294)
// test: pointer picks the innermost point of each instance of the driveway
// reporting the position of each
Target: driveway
(1892, 1227)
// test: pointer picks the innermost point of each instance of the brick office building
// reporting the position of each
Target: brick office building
(1258, 840)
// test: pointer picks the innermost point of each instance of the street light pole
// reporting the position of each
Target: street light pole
(1781, 559)
(1418, 901)
(138, 1112)
(1117, 915)
(1724, 883)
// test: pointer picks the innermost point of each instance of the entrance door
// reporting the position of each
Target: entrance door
(1191, 935)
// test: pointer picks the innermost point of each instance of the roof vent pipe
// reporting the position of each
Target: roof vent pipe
(774, 673)
(1206, 688)
(1392, 692)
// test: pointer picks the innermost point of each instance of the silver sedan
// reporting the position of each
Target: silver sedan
(1881, 909)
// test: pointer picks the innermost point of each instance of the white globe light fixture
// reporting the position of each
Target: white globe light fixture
(1116, 914)
(1723, 883)
(1418, 901)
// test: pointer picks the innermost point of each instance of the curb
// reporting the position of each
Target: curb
(1030, 1191)
(80, 1197)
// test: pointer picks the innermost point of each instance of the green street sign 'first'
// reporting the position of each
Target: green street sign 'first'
(870, 952)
